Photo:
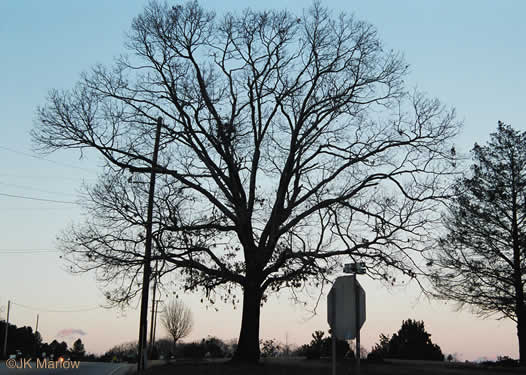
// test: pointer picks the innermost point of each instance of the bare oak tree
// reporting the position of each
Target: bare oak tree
(177, 320)
(481, 260)
(288, 141)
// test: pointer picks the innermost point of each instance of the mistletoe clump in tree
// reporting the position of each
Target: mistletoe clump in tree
(286, 142)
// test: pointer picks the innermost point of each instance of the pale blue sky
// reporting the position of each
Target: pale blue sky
(469, 54)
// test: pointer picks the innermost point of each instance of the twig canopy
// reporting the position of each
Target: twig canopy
(177, 319)
(287, 141)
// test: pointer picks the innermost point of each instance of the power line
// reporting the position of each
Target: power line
(10, 249)
(34, 208)
(56, 311)
(35, 189)
(36, 199)
(26, 251)
(42, 177)
(7, 253)
(91, 170)
(15, 254)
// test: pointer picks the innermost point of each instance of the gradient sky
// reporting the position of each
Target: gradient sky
(469, 54)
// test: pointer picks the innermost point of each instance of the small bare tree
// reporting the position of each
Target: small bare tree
(177, 319)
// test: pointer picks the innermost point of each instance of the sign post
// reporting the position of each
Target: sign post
(333, 337)
(357, 313)
(346, 310)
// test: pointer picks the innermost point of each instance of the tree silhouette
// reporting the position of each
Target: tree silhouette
(125, 351)
(481, 260)
(20, 338)
(58, 349)
(38, 344)
(321, 346)
(411, 341)
(177, 320)
(380, 349)
(215, 347)
(317, 342)
(78, 349)
(287, 141)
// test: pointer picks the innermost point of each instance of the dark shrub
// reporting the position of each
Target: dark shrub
(506, 362)
(412, 341)
(270, 348)
(215, 347)
(193, 350)
(322, 347)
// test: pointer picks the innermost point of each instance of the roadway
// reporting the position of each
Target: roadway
(84, 368)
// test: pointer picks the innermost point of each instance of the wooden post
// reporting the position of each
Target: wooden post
(36, 343)
(357, 313)
(6, 329)
(153, 310)
(141, 361)
(333, 334)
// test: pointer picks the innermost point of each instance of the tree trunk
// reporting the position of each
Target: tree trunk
(248, 343)
(174, 347)
(521, 333)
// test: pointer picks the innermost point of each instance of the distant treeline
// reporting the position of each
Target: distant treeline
(30, 344)
(22, 339)
(411, 341)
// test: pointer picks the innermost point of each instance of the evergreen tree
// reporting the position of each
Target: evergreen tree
(412, 341)
(78, 349)
(481, 260)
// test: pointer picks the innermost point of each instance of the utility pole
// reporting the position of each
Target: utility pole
(6, 329)
(36, 343)
(155, 320)
(141, 362)
(357, 314)
(153, 310)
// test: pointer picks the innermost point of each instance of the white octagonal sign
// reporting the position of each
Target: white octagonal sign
(341, 307)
